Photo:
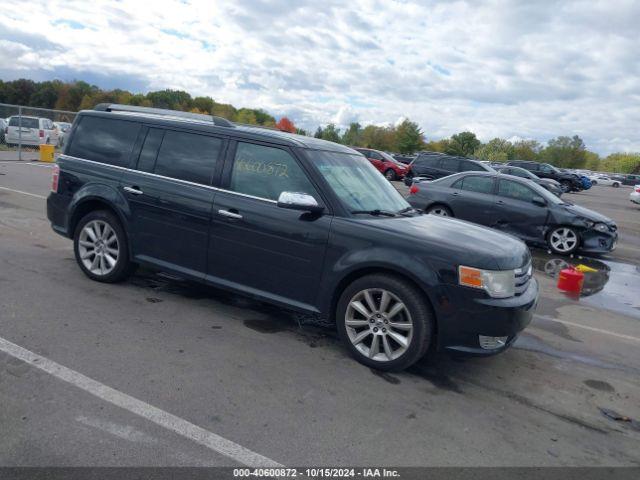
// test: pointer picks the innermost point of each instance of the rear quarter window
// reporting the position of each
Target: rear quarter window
(26, 122)
(104, 140)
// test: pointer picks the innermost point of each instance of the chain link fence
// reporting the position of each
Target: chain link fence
(23, 129)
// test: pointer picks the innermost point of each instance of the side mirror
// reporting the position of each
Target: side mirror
(539, 201)
(299, 201)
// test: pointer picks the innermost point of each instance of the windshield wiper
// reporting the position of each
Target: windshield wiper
(376, 212)
(407, 211)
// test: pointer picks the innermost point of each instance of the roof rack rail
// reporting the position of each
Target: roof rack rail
(115, 107)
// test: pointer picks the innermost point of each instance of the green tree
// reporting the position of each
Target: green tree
(408, 137)
(45, 95)
(319, 132)
(437, 145)
(496, 150)
(204, 104)
(246, 115)
(463, 144)
(526, 149)
(380, 138)
(622, 163)
(331, 133)
(351, 135)
(566, 152)
(170, 99)
(592, 161)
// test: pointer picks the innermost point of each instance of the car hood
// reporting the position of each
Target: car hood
(457, 241)
(586, 213)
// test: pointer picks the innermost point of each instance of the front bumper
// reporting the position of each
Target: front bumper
(594, 241)
(467, 314)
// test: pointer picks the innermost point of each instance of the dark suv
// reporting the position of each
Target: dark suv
(433, 165)
(569, 182)
(291, 220)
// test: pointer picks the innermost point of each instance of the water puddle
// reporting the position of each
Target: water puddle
(610, 286)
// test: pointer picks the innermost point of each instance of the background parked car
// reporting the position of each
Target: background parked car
(433, 165)
(3, 130)
(63, 130)
(635, 195)
(549, 184)
(568, 181)
(604, 180)
(35, 131)
(631, 180)
(517, 206)
(385, 163)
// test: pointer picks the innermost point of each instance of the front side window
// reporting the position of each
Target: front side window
(104, 140)
(515, 190)
(188, 156)
(266, 172)
(356, 182)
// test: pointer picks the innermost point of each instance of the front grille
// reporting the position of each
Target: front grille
(523, 277)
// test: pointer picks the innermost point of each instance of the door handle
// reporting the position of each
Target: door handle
(500, 202)
(228, 214)
(455, 194)
(133, 190)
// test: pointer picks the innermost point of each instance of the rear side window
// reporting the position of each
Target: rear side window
(425, 161)
(475, 184)
(104, 140)
(266, 172)
(188, 156)
(450, 164)
(516, 190)
(466, 166)
(26, 122)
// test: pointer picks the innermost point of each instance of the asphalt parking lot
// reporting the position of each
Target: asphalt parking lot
(158, 372)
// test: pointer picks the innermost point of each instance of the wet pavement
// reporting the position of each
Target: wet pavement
(566, 393)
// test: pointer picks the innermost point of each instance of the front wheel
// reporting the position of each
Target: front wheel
(594, 182)
(390, 175)
(563, 240)
(616, 185)
(100, 247)
(565, 186)
(385, 322)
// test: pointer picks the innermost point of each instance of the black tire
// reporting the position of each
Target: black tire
(390, 175)
(563, 251)
(123, 266)
(435, 209)
(616, 185)
(594, 182)
(565, 185)
(416, 304)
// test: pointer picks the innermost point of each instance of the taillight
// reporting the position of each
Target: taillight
(55, 177)
(41, 133)
(414, 189)
(638, 189)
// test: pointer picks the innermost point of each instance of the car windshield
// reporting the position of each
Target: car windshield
(357, 183)
(388, 157)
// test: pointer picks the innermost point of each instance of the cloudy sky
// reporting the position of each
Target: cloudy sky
(527, 69)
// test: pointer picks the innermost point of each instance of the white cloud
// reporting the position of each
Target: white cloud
(497, 67)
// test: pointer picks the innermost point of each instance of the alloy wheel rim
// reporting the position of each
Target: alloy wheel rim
(564, 239)
(98, 247)
(379, 324)
(439, 211)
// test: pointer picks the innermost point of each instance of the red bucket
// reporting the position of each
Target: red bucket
(570, 280)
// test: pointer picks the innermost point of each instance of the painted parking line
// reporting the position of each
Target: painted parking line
(587, 327)
(32, 164)
(164, 419)
(23, 193)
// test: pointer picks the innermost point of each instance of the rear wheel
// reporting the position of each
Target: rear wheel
(616, 185)
(563, 240)
(385, 322)
(390, 175)
(100, 247)
(440, 210)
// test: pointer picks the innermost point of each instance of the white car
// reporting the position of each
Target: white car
(604, 180)
(31, 131)
(63, 130)
(635, 195)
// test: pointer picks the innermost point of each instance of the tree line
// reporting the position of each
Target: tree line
(406, 137)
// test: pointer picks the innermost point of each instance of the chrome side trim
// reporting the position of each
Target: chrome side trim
(185, 182)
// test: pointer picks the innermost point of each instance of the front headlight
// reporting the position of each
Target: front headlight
(601, 227)
(497, 283)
